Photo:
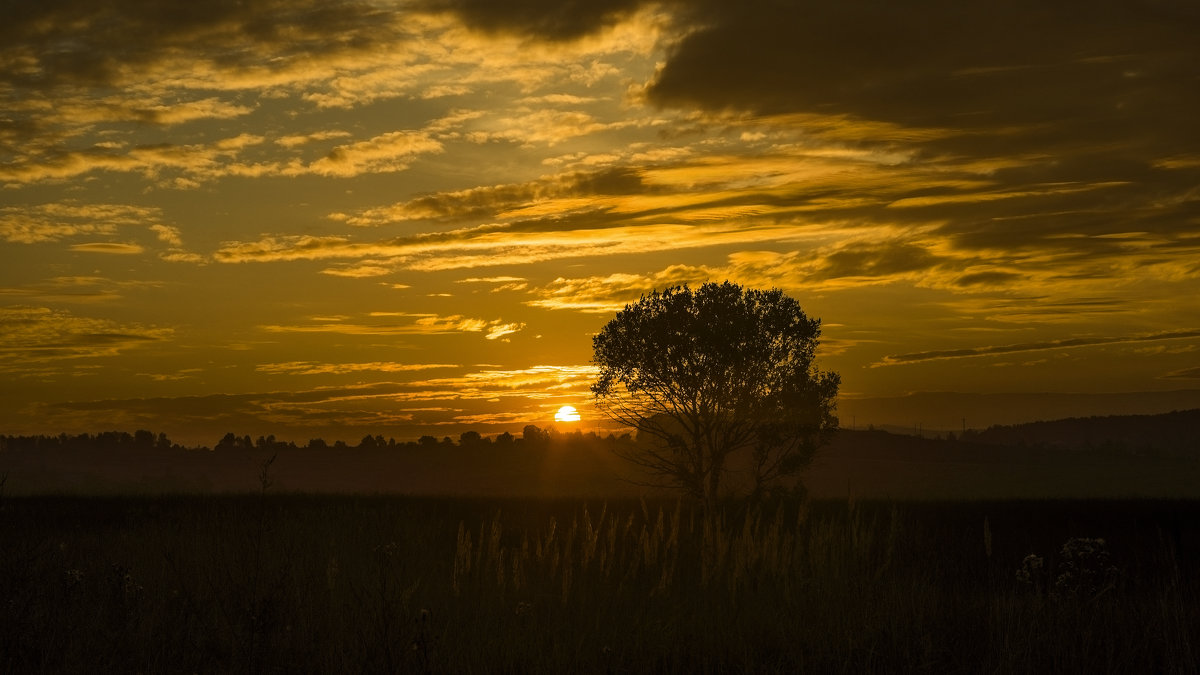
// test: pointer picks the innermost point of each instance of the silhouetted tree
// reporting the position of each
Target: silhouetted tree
(144, 440)
(713, 375)
(231, 442)
(534, 436)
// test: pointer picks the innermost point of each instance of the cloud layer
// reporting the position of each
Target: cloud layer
(394, 213)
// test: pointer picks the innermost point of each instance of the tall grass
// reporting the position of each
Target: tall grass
(293, 583)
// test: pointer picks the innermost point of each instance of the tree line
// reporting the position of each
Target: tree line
(142, 440)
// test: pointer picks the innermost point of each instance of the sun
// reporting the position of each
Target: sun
(567, 413)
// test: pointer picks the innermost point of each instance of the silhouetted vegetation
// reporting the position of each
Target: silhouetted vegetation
(1164, 461)
(539, 462)
(316, 584)
(719, 384)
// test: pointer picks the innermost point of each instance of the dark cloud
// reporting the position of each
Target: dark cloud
(554, 20)
(113, 338)
(937, 63)
(881, 260)
(986, 278)
(80, 42)
(1068, 94)
(486, 202)
(35, 334)
(1034, 346)
(1066, 215)
(612, 181)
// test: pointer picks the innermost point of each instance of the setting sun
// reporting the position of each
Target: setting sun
(567, 413)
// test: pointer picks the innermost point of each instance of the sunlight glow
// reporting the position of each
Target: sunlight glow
(567, 413)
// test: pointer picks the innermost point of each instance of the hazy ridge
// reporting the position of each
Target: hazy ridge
(946, 411)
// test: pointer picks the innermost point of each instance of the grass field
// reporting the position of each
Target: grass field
(302, 583)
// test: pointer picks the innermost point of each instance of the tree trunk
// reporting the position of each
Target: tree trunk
(711, 484)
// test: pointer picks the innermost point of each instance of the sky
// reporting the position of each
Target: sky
(332, 218)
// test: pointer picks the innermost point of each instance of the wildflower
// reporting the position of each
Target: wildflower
(1032, 573)
(73, 578)
(1085, 569)
(124, 582)
(1031, 570)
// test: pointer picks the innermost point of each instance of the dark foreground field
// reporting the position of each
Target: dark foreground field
(293, 583)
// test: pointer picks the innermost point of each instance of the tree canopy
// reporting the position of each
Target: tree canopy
(719, 382)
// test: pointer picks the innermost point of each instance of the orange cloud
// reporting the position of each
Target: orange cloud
(39, 334)
(108, 247)
(313, 368)
(382, 154)
(52, 222)
(417, 324)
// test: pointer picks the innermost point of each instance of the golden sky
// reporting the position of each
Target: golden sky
(331, 218)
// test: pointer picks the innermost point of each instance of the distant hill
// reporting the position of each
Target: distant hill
(1173, 434)
(1116, 456)
(946, 411)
